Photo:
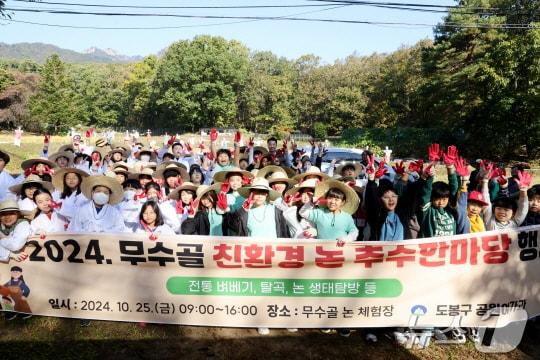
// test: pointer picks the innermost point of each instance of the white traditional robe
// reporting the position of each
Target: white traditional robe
(26, 204)
(160, 230)
(6, 180)
(70, 204)
(87, 219)
(42, 223)
(15, 240)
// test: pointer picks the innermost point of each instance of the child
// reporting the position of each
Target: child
(205, 220)
(151, 222)
(295, 198)
(46, 219)
(533, 216)
(67, 184)
(14, 230)
(333, 219)
(25, 192)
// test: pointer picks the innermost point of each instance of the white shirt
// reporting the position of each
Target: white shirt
(6, 180)
(26, 204)
(162, 229)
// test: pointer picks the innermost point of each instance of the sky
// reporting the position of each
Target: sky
(291, 39)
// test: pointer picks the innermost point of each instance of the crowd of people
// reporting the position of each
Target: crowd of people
(254, 191)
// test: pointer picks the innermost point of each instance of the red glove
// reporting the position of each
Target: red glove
(399, 168)
(55, 205)
(46, 138)
(321, 202)
(427, 170)
(248, 203)
(461, 167)
(188, 147)
(172, 139)
(179, 207)
(524, 180)
(201, 145)
(486, 168)
(285, 142)
(210, 156)
(434, 152)
(290, 199)
(213, 135)
(381, 171)
(451, 155)
(417, 166)
(307, 234)
(370, 164)
(225, 186)
(237, 137)
(222, 201)
(246, 181)
(193, 205)
(88, 134)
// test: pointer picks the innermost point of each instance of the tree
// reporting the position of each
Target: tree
(53, 105)
(197, 83)
(138, 91)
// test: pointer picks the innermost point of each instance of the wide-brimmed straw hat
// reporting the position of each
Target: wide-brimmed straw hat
(205, 189)
(313, 170)
(222, 175)
(4, 155)
(90, 182)
(280, 176)
(175, 194)
(67, 147)
(26, 164)
(9, 205)
(102, 142)
(259, 184)
(31, 179)
(268, 170)
(66, 154)
(357, 168)
(171, 166)
(152, 153)
(121, 151)
(58, 177)
(309, 184)
(145, 171)
(351, 198)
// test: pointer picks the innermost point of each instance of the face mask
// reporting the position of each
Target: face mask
(145, 158)
(100, 198)
(129, 194)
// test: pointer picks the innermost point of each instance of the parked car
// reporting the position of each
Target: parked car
(342, 156)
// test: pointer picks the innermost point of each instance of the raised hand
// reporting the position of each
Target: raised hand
(451, 156)
(429, 171)
(188, 147)
(222, 201)
(461, 168)
(320, 202)
(251, 142)
(370, 164)
(246, 181)
(179, 207)
(237, 137)
(201, 145)
(399, 168)
(213, 134)
(172, 139)
(381, 171)
(524, 180)
(225, 186)
(193, 206)
(248, 203)
(417, 166)
(434, 152)
(46, 138)
(486, 168)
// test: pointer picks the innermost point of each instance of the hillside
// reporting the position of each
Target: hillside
(39, 52)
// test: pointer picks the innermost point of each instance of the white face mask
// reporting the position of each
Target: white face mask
(129, 194)
(100, 198)
(145, 158)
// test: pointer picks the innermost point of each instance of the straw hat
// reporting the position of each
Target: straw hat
(280, 176)
(268, 170)
(58, 177)
(148, 151)
(31, 179)
(67, 154)
(351, 198)
(309, 183)
(26, 164)
(259, 184)
(171, 166)
(313, 170)
(9, 205)
(357, 168)
(261, 149)
(175, 194)
(90, 182)
(145, 171)
(101, 142)
(205, 189)
(222, 175)
(4, 155)
(119, 150)
(67, 147)
(121, 167)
